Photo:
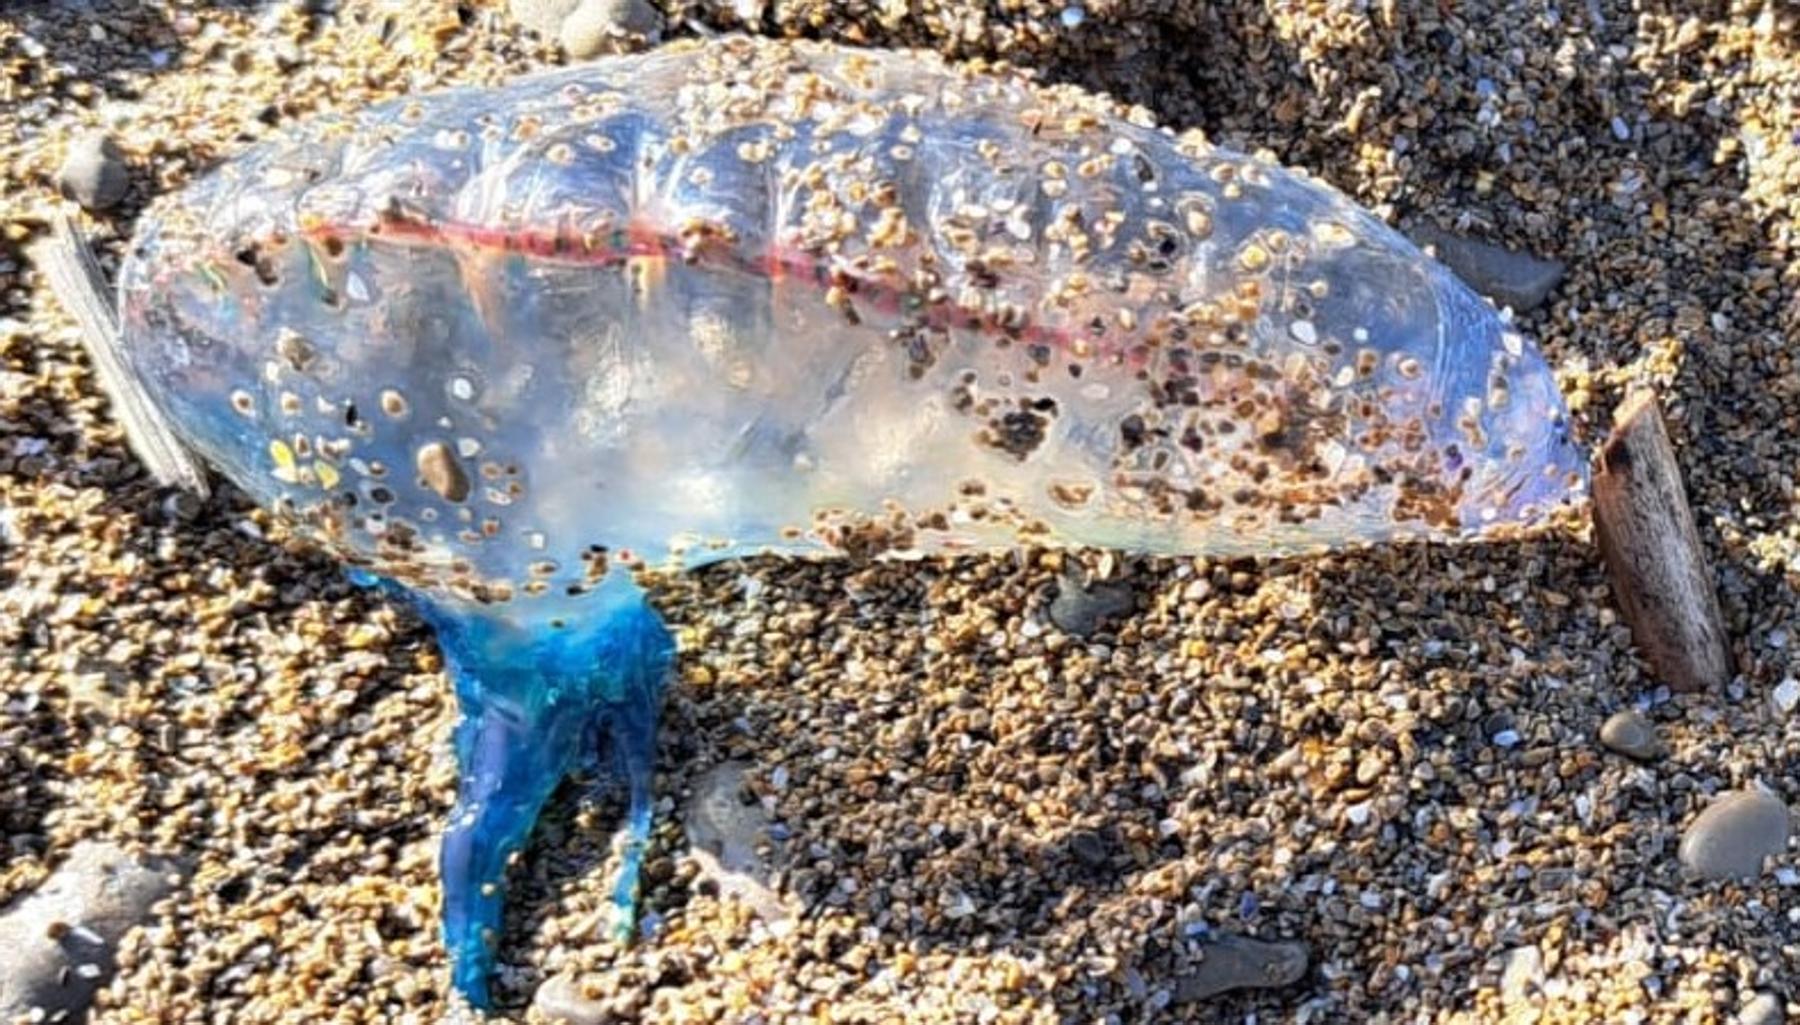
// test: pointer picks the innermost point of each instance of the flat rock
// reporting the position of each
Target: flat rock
(1236, 962)
(724, 831)
(1081, 609)
(1762, 1009)
(1507, 276)
(1734, 835)
(1632, 734)
(56, 945)
(93, 172)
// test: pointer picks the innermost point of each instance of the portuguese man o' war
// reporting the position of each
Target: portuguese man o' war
(495, 348)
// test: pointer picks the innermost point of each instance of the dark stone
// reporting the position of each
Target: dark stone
(1508, 277)
(1081, 609)
(49, 940)
(1089, 848)
(1236, 962)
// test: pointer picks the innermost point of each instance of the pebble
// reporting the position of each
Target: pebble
(56, 946)
(1237, 962)
(1083, 609)
(1733, 836)
(1522, 975)
(93, 172)
(182, 507)
(1763, 1009)
(723, 832)
(1090, 848)
(560, 1001)
(1786, 695)
(545, 17)
(1508, 277)
(1632, 734)
(598, 27)
(439, 469)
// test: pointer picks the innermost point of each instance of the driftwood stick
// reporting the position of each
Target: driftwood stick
(75, 278)
(1652, 551)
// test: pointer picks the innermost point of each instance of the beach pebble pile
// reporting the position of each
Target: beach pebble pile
(1038, 787)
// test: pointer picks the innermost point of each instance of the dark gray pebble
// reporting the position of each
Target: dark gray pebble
(1508, 277)
(56, 946)
(1081, 609)
(1235, 962)
(93, 172)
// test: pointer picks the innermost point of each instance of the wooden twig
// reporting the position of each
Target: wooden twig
(75, 277)
(1652, 551)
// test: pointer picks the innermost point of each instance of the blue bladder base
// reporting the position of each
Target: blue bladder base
(540, 700)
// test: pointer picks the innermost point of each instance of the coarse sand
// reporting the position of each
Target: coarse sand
(1389, 757)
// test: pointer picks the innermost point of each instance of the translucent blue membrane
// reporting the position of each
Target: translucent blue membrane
(539, 702)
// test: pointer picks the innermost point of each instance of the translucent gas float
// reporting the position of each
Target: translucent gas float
(497, 347)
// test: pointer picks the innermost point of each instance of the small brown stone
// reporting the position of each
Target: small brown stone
(393, 404)
(441, 472)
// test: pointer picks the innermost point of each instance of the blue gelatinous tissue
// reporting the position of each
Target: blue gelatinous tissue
(497, 347)
(537, 704)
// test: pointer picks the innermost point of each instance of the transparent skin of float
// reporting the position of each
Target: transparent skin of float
(494, 348)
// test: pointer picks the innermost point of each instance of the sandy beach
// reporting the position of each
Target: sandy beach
(1370, 785)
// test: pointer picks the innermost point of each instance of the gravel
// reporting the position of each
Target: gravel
(928, 749)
